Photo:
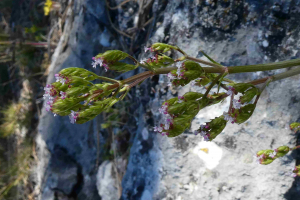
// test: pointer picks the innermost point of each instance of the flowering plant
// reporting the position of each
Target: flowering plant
(75, 94)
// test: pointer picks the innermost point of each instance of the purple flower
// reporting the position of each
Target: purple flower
(73, 116)
(147, 49)
(236, 104)
(99, 61)
(60, 78)
(180, 99)
(230, 90)
(272, 155)
(158, 129)
(63, 94)
(227, 117)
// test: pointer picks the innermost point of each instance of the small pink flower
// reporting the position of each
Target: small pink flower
(230, 90)
(101, 62)
(147, 49)
(73, 116)
(63, 94)
(180, 99)
(61, 78)
(206, 137)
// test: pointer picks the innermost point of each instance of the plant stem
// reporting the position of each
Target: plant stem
(138, 76)
(286, 74)
(276, 77)
(212, 84)
(203, 62)
(238, 69)
(296, 147)
(264, 67)
(138, 81)
(107, 79)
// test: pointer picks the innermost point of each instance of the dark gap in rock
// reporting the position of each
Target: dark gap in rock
(80, 182)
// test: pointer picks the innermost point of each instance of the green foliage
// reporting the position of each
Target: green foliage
(295, 126)
(112, 55)
(216, 126)
(122, 67)
(249, 95)
(244, 113)
(14, 116)
(189, 71)
(159, 62)
(161, 47)
(241, 87)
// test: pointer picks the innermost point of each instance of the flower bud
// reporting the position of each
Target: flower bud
(161, 47)
(282, 151)
(295, 126)
(264, 157)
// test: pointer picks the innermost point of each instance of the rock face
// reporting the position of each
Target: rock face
(185, 167)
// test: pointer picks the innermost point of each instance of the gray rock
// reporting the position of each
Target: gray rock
(227, 170)
(106, 182)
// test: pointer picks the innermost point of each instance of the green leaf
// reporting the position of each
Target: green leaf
(112, 56)
(163, 61)
(178, 108)
(249, 95)
(78, 81)
(216, 127)
(95, 109)
(76, 91)
(80, 72)
(244, 113)
(191, 65)
(122, 67)
(63, 107)
(241, 87)
(171, 101)
(191, 96)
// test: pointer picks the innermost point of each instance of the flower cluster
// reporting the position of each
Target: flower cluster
(101, 62)
(148, 49)
(73, 116)
(260, 158)
(230, 91)
(62, 79)
(178, 75)
(166, 121)
(180, 99)
(204, 132)
(50, 92)
(228, 117)
(295, 171)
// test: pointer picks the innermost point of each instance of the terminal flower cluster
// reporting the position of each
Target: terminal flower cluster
(61, 78)
(49, 96)
(166, 122)
(101, 62)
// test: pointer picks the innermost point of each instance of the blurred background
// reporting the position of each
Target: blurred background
(117, 155)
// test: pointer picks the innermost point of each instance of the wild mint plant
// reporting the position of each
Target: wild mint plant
(76, 94)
